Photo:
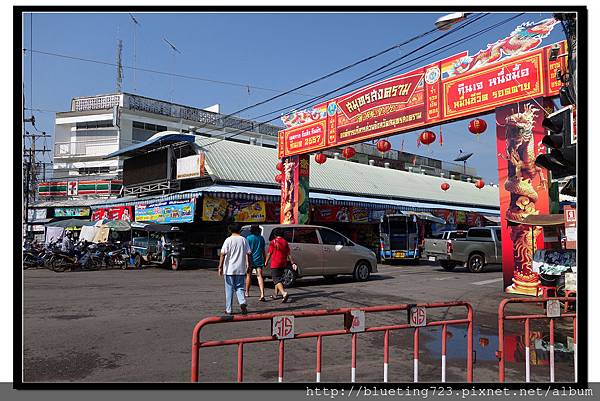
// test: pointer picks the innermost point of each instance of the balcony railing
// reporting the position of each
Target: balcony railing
(85, 148)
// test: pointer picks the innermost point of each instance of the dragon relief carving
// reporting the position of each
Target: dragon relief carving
(520, 157)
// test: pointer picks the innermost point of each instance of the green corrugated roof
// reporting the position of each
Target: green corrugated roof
(242, 163)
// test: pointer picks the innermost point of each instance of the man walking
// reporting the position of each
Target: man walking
(257, 246)
(233, 264)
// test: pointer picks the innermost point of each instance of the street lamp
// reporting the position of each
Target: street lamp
(447, 21)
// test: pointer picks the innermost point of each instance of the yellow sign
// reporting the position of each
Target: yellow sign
(218, 209)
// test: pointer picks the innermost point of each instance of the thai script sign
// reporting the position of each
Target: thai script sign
(452, 88)
(71, 211)
(166, 212)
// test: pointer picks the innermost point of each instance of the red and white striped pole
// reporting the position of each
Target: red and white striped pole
(416, 355)
(575, 345)
(386, 355)
(353, 378)
(281, 354)
(240, 371)
(319, 350)
(527, 368)
(551, 350)
(444, 353)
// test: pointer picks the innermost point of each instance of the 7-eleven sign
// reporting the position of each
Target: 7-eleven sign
(72, 188)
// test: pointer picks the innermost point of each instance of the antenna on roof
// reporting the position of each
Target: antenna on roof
(136, 23)
(174, 50)
(119, 66)
(463, 158)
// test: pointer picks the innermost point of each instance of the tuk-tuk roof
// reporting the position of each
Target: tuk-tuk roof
(153, 227)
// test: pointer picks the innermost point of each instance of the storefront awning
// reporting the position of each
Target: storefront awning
(425, 216)
(493, 219)
(273, 194)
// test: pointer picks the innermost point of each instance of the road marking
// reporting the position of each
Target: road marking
(488, 281)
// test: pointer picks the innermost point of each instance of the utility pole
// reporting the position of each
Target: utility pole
(31, 164)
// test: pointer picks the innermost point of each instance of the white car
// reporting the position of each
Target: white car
(319, 251)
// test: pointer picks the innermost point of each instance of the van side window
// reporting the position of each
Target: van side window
(305, 236)
(287, 234)
(330, 237)
(498, 234)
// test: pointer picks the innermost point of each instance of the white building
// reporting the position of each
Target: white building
(99, 125)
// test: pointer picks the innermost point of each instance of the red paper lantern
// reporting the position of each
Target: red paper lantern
(477, 126)
(445, 186)
(320, 158)
(480, 184)
(427, 137)
(348, 152)
(279, 178)
(383, 146)
(280, 166)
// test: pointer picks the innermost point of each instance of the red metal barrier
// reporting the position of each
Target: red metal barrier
(349, 320)
(550, 315)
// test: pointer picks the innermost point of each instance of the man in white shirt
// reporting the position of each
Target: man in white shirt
(233, 264)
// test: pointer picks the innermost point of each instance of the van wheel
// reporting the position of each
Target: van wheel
(288, 278)
(362, 271)
(476, 263)
(447, 265)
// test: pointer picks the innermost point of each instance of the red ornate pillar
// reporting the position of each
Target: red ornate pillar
(295, 190)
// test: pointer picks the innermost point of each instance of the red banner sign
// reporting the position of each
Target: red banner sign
(441, 91)
(113, 213)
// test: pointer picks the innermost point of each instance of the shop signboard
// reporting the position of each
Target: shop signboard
(523, 189)
(220, 209)
(507, 71)
(113, 213)
(570, 214)
(166, 212)
(340, 214)
(71, 211)
(36, 214)
(190, 167)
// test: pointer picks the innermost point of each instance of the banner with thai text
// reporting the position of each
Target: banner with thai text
(167, 212)
(229, 210)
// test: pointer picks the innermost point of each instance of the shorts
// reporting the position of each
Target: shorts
(277, 275)
(254, 267)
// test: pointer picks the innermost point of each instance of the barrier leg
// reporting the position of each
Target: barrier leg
(470, 344)
(500, 353)
(353, 377)
(527, 369)
(551, 350)
(575, 345)
(195, 357)
(386, 355)
(280, 371)
(319, 349)
(444, 353)
(416, 355)
(240, 368)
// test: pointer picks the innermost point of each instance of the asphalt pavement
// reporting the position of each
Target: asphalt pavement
(136, 326)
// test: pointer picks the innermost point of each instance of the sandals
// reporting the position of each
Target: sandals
(285, 298)
(262, 299)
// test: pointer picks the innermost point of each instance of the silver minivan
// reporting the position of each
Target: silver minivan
(319, 251)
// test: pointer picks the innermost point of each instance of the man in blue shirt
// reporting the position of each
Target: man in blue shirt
(257, 246)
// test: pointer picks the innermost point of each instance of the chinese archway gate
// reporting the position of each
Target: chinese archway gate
(513, 76)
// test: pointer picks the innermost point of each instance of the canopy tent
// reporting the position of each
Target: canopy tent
(157, 141)
(54, 234)
(425, 216)
(115, 225)
(101, 234)
(161, 228)
(88, 233)
(69, 223)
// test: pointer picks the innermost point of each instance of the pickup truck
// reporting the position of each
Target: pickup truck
(482, 246)
(436, 247)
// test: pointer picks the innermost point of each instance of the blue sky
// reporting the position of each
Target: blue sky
(264, 50)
